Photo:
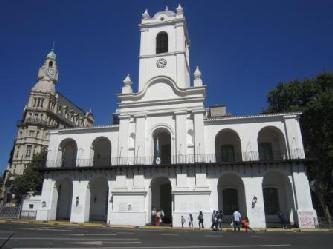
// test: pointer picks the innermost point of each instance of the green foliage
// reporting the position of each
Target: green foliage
(314, 98)
(32, 179)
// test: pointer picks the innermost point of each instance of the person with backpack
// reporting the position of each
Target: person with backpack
(214, 220)
(220, 219)
(200, 218)
(236, 220)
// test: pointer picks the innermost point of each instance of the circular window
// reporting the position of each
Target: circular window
(162, 18)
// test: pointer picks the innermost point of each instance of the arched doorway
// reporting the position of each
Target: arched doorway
(101, 152)
(98, 199)
(67, 153)
(278, 197)
(162, 146)
(64, 201)
(227, 146)
(271, 144)
(231, 196)
(161, 197)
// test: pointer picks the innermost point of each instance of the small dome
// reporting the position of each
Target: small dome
(51, 55)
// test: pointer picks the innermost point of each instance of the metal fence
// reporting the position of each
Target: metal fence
(10, 212)
(28, 214)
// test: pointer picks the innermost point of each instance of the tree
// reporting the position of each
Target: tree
(32, 178)
(314, 98)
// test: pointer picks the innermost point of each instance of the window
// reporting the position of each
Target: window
(31, 133)
(17, 151)
(50, 63)
(31, 206)
(265, 151)
(227, 153)
(271, 201)
(162, 42)
(28, 152)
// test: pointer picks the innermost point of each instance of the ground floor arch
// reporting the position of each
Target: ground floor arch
(161, 198)
(64, 189)
(98, 199)
(231, 195)
(278, 198)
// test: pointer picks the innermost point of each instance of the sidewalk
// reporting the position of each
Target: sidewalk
(101, 225)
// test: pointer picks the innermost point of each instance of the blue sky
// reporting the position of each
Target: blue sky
(244, 48)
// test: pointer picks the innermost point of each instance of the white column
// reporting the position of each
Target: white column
(199, 148)
(80, 202)
(304, 205)
(49, 197)
(255, 209)
(140, 152)
(294, 137)
(123, 138)
(180, 136)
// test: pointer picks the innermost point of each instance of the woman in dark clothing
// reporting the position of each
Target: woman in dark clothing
(200, 218)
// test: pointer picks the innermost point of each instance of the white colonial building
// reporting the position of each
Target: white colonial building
(168, 151)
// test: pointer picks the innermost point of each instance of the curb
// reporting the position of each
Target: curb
(103, 225)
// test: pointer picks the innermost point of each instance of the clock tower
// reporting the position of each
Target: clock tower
(164, 47)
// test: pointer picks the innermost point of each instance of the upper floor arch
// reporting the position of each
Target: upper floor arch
(271, 144)
(228, 146)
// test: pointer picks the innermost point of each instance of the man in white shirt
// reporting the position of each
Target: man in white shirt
(237, 220)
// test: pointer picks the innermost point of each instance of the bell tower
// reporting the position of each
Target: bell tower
(164, 47)
(47, 74)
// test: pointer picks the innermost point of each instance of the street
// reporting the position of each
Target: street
(45, 236)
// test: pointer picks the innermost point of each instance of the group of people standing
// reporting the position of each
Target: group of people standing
(157, 216)
(217, 220)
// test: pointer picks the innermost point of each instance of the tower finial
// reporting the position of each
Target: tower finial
(166, 8)
(145, 14)
(197, 77)
(53, 46)
(179, 9)
(127, 88)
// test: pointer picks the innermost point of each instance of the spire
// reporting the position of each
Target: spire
(197, 77)
(127, 88)
(179, 10)
(145, 15)
(166, 8)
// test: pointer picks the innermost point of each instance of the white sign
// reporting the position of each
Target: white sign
(306, 219)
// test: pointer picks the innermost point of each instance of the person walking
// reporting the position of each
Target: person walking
(236, 220)
(213, 220)
(190, 220)
(200, 218)
(153, 216)
(158, 218)
(246, 223)
(283, 219)
(219, 220)
(182, 220)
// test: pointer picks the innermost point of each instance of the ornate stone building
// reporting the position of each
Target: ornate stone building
(170, 152)
(46, 109)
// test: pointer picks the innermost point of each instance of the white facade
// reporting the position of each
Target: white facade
(168, 152)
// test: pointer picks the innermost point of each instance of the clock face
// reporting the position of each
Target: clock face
(161, 63)
(50, 72)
